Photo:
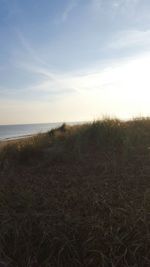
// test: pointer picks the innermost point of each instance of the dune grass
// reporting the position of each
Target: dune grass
(77, 196)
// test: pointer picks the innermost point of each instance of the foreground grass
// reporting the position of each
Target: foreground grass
(77, 196)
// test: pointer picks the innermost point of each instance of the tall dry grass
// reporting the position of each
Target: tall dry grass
(77, 196)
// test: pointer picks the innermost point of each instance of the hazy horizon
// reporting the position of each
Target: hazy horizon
(38, 123)
(73, 60)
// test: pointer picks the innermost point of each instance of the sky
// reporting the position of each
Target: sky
(74, 60)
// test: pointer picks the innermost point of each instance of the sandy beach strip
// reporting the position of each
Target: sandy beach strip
(13, 140)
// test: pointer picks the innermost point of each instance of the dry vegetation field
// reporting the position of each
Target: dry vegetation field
(77, 197)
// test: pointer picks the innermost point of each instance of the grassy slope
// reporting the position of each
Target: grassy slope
(77, 196)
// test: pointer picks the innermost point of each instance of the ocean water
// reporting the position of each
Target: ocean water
(18, 131)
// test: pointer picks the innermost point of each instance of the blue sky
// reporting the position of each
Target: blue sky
(70, 60)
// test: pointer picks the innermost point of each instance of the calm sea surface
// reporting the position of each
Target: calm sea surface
(16, 131)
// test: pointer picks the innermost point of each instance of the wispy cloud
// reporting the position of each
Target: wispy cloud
(67, 10)
(115, 6)
(132, 38)
(27, 47)
(124, 3)
(53, 83)
(89, 94)
(72, 4)
(119, 75)
(48, 80)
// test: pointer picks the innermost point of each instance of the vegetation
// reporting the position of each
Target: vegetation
(77, 196)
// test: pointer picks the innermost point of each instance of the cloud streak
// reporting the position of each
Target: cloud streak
(27, 48)
(69, 8)
(67, 11)
(114, 7)
(119, 75)
(96, 92)
(131, 38)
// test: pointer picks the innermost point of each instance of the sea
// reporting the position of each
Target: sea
(10, 132)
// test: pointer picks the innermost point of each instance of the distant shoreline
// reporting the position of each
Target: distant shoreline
(16, 132)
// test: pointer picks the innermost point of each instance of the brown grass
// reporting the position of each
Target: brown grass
(77, 196)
